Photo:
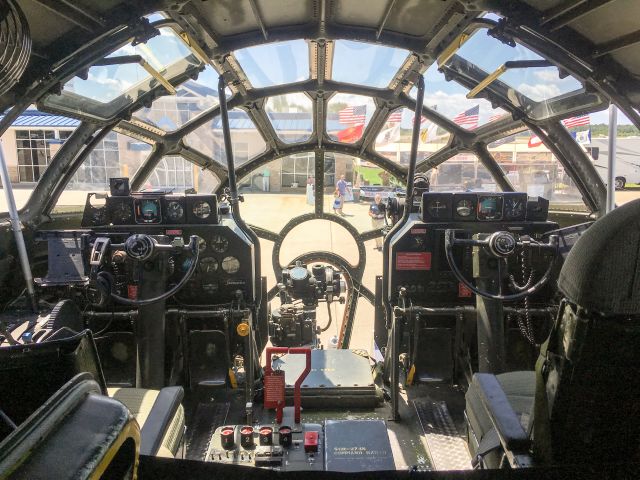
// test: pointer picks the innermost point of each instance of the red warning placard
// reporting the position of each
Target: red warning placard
(274, 389)
(464, 291)
(413, 261)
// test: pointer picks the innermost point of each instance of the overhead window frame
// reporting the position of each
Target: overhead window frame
(483, 84)
(138, 95)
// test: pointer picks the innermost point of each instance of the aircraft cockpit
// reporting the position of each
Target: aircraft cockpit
(246, 239)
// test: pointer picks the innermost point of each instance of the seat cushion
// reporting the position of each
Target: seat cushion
(159, 414)
(519, 387)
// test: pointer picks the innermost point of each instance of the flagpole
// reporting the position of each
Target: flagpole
(611, 160)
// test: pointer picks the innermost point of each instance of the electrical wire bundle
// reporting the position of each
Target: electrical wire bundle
(15, 44)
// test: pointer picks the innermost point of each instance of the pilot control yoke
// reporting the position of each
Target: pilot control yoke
(293, 324)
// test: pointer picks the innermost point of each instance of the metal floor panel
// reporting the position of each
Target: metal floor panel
(447, 449)
(207, 417)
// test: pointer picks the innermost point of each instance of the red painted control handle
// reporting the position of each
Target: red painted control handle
(297, 394)
(271, 351)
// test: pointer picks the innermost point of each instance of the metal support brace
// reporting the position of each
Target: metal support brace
(611, 160)
(17, 230)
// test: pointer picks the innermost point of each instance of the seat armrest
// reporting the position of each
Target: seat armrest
(159, 419)
(512, 435)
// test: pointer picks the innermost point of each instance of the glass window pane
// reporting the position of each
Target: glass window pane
(366, 63)
(25, 174)
(291, 116)
(174, 173)
(348, 116)
(170, 112)
(538, 84)
(111, 88)
(24, 157)
(532, 168)
(394, 139)
(363, 180)
(246, 139)
(450, 99)
(275, 63)
(462, 173)
(274, 194)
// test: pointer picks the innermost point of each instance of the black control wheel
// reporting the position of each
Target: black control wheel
(142, 247)
(501, 245)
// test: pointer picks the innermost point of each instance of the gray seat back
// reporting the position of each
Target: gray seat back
(588, 376)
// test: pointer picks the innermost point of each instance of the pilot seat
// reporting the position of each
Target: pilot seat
(30, 375)
(580, 406)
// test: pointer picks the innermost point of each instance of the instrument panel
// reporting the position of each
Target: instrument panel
(151, 209)
(417, 255)
(482, 207)
(225, 263)
(417, 260)
(226, 254)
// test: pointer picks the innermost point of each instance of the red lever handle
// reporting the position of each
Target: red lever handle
(297, 394)
(271, 351)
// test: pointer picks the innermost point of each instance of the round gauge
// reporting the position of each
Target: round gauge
(437, 209)
(464, 208)
(208, 265)
(230, 265)
(122, 213)
(202, 244)
(99, 216)
(514, 208)
(174, 211)
(489, 207)
(147, 210)
(201, 209)
(219, 244)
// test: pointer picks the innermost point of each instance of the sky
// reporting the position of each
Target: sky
(354, 62)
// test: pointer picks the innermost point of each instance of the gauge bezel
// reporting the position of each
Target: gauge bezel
(212, 243)
(167, 210)
(472, 198)
(445, 211)
(115, 205)
(202, 241)
(201, 216)
(207, 259)
(138, 202)
(229, 258)
(499, 208)
(510, 196)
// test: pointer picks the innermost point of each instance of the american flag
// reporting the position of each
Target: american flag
(395, 117)
(422, 119)
(353, 115)
(468, 118)
(497, 116)
(576, 121)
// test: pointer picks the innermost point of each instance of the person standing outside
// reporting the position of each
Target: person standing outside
(266, 174)
(376, 212)
(341, 188)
